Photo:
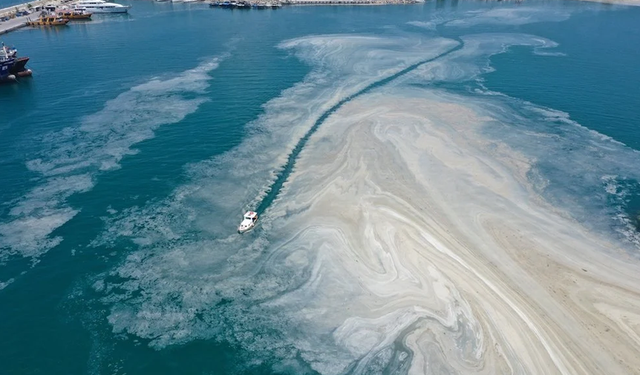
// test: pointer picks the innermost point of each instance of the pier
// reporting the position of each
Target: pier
(349, 2)
(16, 16)
(30, 6)
(259, 4)
(246, 4)
(13, 24)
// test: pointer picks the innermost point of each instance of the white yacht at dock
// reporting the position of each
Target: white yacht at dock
(101, 6)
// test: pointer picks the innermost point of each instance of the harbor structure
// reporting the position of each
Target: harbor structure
(17, 16)
(20, 10)
(260, 4)
(51, 13)
(349, 2)
(12, 24)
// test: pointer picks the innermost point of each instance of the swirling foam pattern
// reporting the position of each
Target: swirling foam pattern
(408, 239)
(440, 247)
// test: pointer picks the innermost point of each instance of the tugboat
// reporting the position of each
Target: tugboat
(12, 66)
(47, 20)
(249, 221)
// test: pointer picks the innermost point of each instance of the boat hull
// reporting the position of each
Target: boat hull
(19, 65)
(109, 10)
(5, 70)
(11, 66)
(85, 16)
(45, 23)
(245, 230)
(25, 73)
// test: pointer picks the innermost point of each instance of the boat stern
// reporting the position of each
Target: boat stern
(245, 226)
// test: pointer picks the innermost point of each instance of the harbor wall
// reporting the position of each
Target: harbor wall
(8, 26)
(11, 10)
(14, 22)
(348, 2)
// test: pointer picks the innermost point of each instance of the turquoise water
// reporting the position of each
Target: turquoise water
(142, 136)
(8, 3)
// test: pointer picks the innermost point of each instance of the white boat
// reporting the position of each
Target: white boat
(249, 221)
(101, 6)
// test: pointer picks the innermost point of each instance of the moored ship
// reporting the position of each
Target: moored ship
(48, 20)
(74, 14)
(12, 66)
(245, 4)
(101, 6)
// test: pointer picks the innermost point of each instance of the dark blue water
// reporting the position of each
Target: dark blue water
(595, 82)
(123, 111)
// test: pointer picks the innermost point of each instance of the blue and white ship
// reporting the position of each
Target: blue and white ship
(12, 66)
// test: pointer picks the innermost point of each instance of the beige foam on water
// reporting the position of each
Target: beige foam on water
(429, 235)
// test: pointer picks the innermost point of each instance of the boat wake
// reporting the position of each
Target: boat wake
(286, 170)
(420, 224)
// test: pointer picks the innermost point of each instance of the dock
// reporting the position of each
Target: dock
(32, 5)
(349, 2)
(278, 3)
(16, 21)
(259, 4)
(13, 24)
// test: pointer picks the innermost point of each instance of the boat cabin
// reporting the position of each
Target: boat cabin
(249, 221)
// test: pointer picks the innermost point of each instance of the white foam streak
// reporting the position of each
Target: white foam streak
(593, 153)
(473, 59)
(475, 241)
(74, 156)
(221, 183)
(510, 16)
(178, 279)
(424, 25)
(410, 237)
(4, 284)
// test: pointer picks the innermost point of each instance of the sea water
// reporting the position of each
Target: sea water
(127, 161)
